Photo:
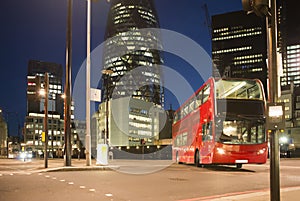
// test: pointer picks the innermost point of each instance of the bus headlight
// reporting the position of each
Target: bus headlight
(261, 151)
(220, 151)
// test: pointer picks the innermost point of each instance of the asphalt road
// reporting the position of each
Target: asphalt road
(174, 182)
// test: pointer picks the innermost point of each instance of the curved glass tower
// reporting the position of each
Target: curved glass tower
(132, 52)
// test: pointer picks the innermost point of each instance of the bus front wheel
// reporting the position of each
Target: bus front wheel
(239, 166)
(177, 158)
(197, 159)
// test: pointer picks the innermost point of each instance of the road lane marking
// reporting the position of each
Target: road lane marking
(82, 187)
(108, 194)
(71, 183)
(92, 190)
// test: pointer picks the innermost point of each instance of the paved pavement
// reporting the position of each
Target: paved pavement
(13, 165)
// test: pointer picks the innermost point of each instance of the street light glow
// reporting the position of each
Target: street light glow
(42, 92)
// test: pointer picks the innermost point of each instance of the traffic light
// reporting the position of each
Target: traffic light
(43, 137)
(259, 7)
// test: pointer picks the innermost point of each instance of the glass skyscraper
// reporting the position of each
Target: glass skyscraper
(132, 56)
(128, 45)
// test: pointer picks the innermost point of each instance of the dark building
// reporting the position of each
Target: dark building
(34, 123)
(289, 41)
(127, 48)
(239, 46)
(36, 81)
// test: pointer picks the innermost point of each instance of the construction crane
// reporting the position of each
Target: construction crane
(207, 18)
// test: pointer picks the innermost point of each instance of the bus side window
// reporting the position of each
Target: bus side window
(206, 93)
(192, 105)
(199, 99)
(206, 132)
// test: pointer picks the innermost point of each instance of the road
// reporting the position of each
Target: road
(174, 182)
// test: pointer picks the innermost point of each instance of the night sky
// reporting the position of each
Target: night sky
(36, 29)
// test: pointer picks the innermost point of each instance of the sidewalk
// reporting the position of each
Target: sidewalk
(286, 194)
(38, 165)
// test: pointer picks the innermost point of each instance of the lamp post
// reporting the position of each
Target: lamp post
(106, 72)
(88, 87)
(46, 119)
(67, 100)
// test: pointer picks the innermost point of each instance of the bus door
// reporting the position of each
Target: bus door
(207, 143)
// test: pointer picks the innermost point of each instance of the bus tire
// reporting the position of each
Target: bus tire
(197, 159)
(239, 166)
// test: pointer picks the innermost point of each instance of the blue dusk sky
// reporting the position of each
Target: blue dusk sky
(36, 29)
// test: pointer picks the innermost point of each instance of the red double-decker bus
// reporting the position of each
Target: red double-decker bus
(223, 122)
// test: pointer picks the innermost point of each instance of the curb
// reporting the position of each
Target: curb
(72, 168)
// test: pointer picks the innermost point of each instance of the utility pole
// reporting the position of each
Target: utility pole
(273, 97)
(267, 8)
(88, 87)
(67, 100)
(46, 119)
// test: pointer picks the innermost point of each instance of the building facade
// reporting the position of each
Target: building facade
(290, 95)
(239, 46)
(133, 57)
(34, 121)
(3, 135)
(289, 41)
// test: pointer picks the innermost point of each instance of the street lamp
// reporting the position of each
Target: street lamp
(267, 8)
(67, 100)
(88, 85)
(106, 72)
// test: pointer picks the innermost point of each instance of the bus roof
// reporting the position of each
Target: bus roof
(227, 84)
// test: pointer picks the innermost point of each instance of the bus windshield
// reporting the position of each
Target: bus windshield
(241, 131)
(238, 89)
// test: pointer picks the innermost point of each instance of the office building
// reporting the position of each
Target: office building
(290, 95)
(132, 55)
(3, 135)
(125, 19)
(34, 122)
(289, 41)
(239, 46)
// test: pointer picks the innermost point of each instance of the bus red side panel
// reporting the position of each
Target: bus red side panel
(232, 154)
